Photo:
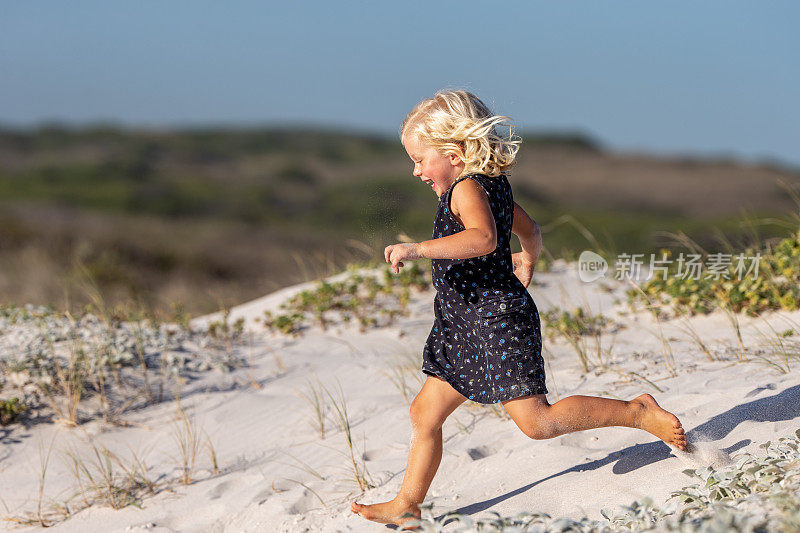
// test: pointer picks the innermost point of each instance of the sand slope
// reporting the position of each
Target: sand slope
(273, 460)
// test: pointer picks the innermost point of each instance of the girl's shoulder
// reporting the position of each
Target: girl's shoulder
(480, 186)
(472, 181)
(490, 184)
(484, 178)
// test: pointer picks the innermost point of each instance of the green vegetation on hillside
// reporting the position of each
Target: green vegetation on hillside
(762, 280)
(211, 217)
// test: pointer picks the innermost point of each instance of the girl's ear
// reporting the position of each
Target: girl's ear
(455, 159)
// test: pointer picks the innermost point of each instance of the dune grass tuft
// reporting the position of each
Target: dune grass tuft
(359, 468)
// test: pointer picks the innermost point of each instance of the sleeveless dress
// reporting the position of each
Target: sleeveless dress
(486, 338)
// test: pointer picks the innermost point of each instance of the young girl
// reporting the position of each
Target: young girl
(485, 344)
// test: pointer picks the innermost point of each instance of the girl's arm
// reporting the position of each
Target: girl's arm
(471, 205)
(530, 237)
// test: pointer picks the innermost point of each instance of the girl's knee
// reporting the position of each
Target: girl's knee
(422, 420)
(537, 431)
(538, 427)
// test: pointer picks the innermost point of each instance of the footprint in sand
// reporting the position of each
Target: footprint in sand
(481, 452)
(378, 453)
(304, 503)
(219, 490)
(277, 486)
(262, 496)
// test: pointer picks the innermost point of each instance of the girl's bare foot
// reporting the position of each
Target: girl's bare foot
(663, 424)
(396, 511)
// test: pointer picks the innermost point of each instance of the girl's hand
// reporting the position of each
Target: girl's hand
(397, 253)
(523, 267)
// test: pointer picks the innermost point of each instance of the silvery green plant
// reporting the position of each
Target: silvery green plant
(35, 342)
(756, 493)
(25, 341)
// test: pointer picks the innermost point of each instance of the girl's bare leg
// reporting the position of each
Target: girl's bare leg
(540, 420)
(435, 402)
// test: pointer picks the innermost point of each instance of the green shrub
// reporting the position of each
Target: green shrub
(224, 330)
(574, 324)
(777, 285)
(288, 324)
(10, 409)
(363, 298)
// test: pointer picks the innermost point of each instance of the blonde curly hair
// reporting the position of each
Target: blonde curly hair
(457, 122)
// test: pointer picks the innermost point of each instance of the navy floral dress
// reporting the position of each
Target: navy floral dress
(486, 338)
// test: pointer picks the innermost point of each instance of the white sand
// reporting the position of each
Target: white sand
(262, 436)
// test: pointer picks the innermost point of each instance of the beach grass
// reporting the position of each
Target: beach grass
(693, 336)
(359, 468)
(315, 398)
(103, 477)
(576, 327)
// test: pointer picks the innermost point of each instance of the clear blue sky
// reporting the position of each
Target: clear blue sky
(711, 77)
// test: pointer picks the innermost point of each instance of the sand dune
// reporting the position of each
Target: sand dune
(277, 474)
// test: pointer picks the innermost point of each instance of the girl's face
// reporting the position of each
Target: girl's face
(437, 170)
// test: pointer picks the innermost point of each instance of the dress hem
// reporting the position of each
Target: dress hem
(521, 391)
